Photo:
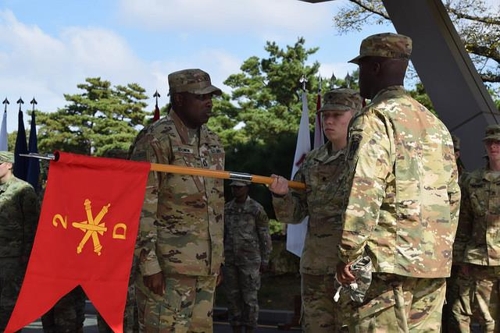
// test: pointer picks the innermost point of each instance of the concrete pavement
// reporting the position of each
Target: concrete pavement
(269, 321)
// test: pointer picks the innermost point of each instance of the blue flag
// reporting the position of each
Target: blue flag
(33, 163)
(21, 162)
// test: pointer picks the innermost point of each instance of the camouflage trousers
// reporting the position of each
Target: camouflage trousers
(457, 314)
(320, 313)
(485, 296)
(67, 315)
(401, 304)
(241, 284)
(11, 278)
(186, 306)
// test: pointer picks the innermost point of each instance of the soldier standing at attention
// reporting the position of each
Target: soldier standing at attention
(247, 247)
(19, 213)
(477, 251)
(180, 240)
(402, 209)
(323, 172)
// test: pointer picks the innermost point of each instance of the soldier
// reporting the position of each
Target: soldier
(19, 213)
(247, 247)
(180, 241)
(67, 315)
(323, 172)
(403, 204)
(477, 245)
(457, 281)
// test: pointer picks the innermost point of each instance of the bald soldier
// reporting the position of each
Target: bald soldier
(180, 241)
(402, 209)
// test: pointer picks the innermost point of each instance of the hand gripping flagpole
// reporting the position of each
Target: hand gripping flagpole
(198, 172)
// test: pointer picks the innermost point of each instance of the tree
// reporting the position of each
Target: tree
(258, 122)
(99, 119)
(477, 23)
(265, 97)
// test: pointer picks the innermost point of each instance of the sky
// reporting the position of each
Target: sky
(49, 47)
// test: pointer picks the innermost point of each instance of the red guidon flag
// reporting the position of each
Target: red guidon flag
(86, 236)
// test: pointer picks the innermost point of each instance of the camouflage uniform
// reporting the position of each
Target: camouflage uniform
(457, 281)
(478, 246)
(67, 315)
(247, 246)
(181, 227)
(323, 171)
(403, 206)
(19, 213)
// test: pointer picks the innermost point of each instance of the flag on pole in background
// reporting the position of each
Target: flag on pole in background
(319, 138)
(156, 114)
(86, 236)
(296, 232)
(4, 138)
(33, 176)
(21, 162)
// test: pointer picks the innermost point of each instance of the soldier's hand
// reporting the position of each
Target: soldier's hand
(155, 283)
(279, 186)
(344, 275)
(264, 267)
(220, 277)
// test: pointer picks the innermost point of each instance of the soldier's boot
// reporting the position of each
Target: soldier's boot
(237, 329)
(249, 329)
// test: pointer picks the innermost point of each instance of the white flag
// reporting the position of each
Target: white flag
(319, 138)
(296, 233)
(3, 133)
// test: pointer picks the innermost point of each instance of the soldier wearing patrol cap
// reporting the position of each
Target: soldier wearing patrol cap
(402, 207)
(180, 241)
(247, 247)
(19, 213)
(477, 245)
(323, 172)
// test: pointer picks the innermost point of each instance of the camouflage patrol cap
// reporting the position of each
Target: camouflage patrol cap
(387, 45)
(6, 156)
(456, 142)
(342, 99)
(193, 81)
(492, 133)
(239, 183)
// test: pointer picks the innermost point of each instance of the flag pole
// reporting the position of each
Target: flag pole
(221, 174)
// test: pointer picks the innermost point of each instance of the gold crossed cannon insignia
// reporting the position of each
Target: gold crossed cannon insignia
(92, 227)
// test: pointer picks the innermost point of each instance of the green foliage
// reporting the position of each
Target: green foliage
(99, 119)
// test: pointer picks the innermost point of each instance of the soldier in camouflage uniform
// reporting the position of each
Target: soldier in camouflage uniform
(247, 247)
(180, 240)
(19, 213)
(477, 245)
(457, 280)
(67, 315)
(323, 172)
(402, 209)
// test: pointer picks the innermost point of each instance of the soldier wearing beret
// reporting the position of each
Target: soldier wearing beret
(180, 241)
(323, 172)
(402, 208)
(247, 247)
(477, 245)
(19, 213)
